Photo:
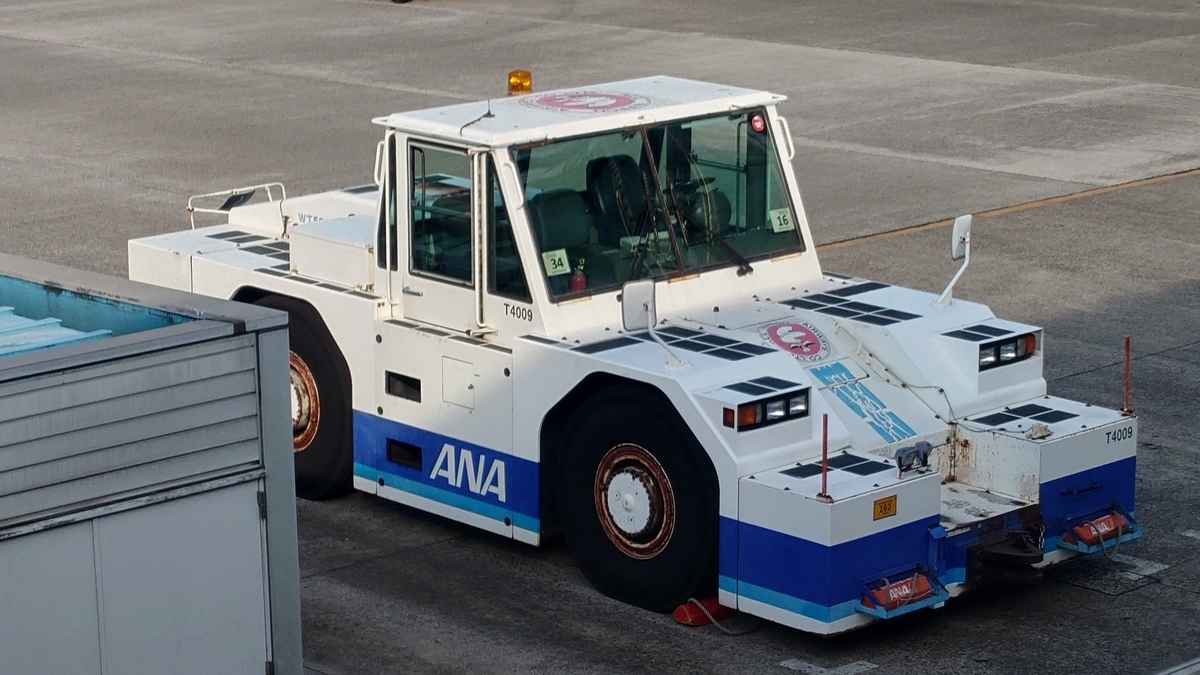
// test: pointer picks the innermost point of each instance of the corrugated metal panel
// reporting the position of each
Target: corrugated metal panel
(75, 439)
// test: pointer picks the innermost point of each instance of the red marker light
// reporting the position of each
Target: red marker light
(758, 123)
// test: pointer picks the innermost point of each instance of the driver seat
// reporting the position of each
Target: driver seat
(616, 191)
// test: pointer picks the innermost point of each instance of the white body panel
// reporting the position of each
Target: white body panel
(454, 382)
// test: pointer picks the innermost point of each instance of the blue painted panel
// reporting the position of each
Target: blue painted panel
(822, 581)
(21, 335)
(466, 476)
(863, 402)
(80, 311)
(1069, 500)
(728, 560)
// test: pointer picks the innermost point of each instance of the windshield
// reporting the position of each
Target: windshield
(656, 202)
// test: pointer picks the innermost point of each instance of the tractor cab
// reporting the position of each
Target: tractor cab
(528, 214)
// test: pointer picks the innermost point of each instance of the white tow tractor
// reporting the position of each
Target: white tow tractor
(599, 312)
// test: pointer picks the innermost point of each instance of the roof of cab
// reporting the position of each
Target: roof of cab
(577, 111)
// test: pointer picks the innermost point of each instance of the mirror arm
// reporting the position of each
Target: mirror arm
(945, 300)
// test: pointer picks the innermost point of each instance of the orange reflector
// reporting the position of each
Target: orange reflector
(727, 417)
(689, 614)
(749, 414)
(519, 82)
(899, 593)
(1101, 529)
(1026, 344)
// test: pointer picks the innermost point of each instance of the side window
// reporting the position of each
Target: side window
(441, 213)
(506, 275)
(385, 235)
(393, 241)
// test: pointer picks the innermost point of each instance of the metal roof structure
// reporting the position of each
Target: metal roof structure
(579, 111)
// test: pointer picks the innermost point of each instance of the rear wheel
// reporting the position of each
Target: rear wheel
(320, 397)
(638, 501)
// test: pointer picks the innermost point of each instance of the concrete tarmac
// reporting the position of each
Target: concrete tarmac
(905, 112)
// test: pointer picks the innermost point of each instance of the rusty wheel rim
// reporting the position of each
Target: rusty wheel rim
(634, 501)
(306, 403)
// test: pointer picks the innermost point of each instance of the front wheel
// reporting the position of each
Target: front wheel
(638, 501)
(320, 395)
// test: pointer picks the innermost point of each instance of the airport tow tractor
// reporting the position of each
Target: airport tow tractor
(599, 311)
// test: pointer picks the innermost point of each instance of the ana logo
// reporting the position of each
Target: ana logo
(468, 470)
(801, 340)
(586, 101)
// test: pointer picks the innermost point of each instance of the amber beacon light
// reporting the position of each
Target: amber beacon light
(519, 82)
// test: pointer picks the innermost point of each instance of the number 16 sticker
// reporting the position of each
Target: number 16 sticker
(781, 219)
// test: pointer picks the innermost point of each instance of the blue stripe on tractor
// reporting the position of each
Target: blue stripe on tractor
(863, 402)
(456, 473)
(810, 579)
(1070, 500)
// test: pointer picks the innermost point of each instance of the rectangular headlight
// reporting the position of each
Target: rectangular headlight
(1008, 350)
(776, 410)
(987, 357)
(765, 411)
(798, 405)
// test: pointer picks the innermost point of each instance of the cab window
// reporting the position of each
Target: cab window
(440, 214)
(506, 275)
(658, 201)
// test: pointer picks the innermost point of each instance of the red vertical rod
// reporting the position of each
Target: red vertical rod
(824, 454)
(1127, 364)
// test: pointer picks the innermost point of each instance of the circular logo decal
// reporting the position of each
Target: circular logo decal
(586, 101)
(801, 340)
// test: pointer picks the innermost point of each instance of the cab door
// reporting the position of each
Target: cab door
(439, 436)
(434, 267)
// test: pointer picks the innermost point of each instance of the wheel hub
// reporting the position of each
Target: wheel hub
(634, 501)
(306, 403)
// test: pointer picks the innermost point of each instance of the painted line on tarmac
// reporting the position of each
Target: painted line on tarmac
(1017, 208)
(1141, 568)
(1194, 534)
(802, 666)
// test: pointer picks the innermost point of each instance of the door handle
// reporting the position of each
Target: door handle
(409, 291)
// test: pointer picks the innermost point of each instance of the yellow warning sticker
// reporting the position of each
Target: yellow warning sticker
(885, 507)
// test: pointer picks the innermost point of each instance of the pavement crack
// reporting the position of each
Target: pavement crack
(1177, 587)
(1139, 357)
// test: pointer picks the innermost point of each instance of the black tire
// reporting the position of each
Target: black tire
(616, 436)
(323, 442)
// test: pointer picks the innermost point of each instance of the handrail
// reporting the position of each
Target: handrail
(247, 191)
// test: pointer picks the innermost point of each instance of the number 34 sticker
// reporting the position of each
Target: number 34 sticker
(781, 219)
(556, 262)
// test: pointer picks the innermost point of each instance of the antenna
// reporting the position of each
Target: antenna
(483, 116)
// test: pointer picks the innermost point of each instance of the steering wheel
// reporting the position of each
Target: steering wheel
(688, 187)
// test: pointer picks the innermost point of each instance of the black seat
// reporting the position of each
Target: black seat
(616, 189)
(561, 220)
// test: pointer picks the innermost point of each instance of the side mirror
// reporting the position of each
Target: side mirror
(960, 249)
(960, 238)
(637, 305)
(379, 157)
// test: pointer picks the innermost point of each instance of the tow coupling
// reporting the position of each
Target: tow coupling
(1009, 560)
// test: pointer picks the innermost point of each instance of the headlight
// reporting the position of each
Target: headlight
(776, 410)
(1008, 350)
(798, 405)
(766, 411)
(987, 357)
